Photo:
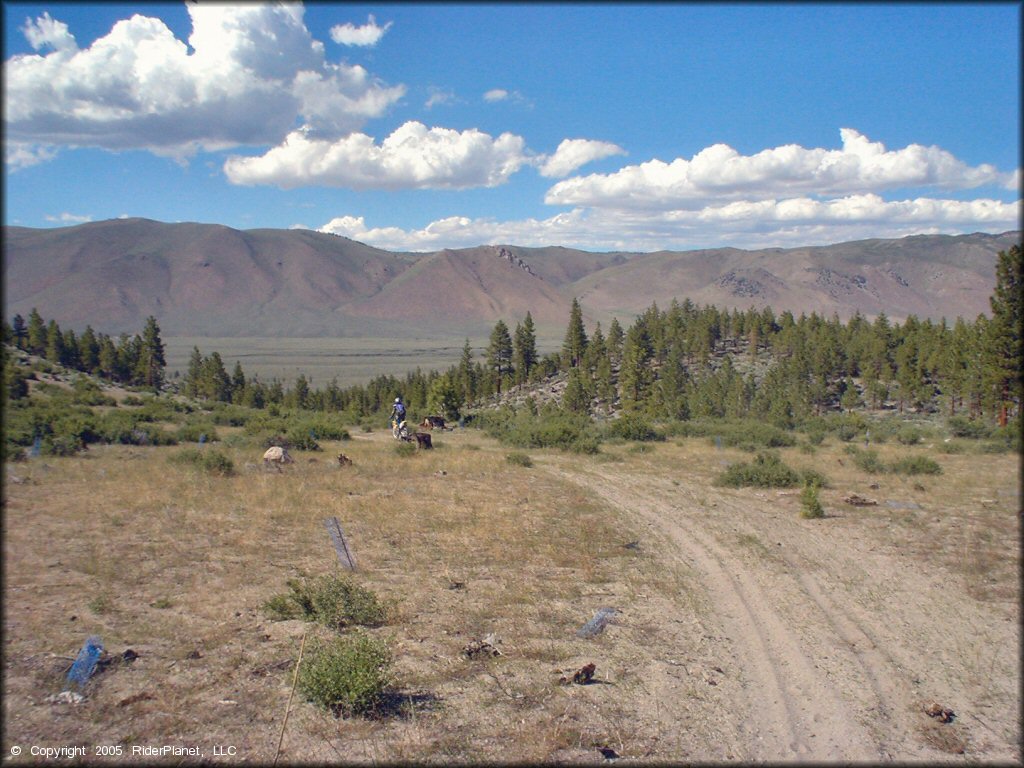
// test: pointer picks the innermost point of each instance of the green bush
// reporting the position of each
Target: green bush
(192, 431)
(87, 392)
(909, 436)
(632, 427)
(810, 504)
(405, 449)
(766, 471)
(916, 465)
(814, 477)
(519, 459)
(746, 434)
(325, 427)
(332, 600)
(302, 439)
(347, 674)
(961, 426)
(867, 460)
(211, 461)
(551, 428)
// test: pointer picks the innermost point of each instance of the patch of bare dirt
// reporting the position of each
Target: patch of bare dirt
(838, 642)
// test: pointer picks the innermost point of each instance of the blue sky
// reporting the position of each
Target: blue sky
(604, 127)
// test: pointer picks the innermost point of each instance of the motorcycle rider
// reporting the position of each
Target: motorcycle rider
(397, 416)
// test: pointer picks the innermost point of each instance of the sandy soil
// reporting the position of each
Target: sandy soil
(745, 633)
(835, 643)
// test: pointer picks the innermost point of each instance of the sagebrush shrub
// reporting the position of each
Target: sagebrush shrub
(212, 462)
(632, 427)
(519, 459)
(347, 674)
(766, 471)
(810, 504)
(868, 461)
(333, 600)
(916, 465)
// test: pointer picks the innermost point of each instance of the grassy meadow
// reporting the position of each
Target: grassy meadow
(469, 542)
(349, 360)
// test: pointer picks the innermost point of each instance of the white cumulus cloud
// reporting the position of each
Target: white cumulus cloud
(70, 218)
(44, 32)
(368, 35)
(254, 72)
(719, 173)
(744, 224)
(496, 94)
(575, 153)
(413, 157)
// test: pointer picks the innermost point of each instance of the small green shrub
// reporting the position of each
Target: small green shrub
(867, 460)
(916, 465)
(909, 436)
(632, 427)
(519, 459)
(405, 449)
(814, 477)
(810, 504)
(332, 600)
(766, 471)
(816, 437)
(211, 461)
(347, 674)
(193, 431)
(303, 439)
(961, 426)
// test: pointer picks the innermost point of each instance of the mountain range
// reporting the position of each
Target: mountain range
(211, 280)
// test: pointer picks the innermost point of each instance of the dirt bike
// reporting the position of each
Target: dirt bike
(400, 430)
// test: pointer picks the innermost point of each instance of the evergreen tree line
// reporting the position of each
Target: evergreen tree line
(677, 363)
(133, 360)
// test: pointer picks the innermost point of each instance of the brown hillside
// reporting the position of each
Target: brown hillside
(472, 287)
(208, 280)
(929, 276)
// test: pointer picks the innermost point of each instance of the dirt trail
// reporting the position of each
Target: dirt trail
(839, 644)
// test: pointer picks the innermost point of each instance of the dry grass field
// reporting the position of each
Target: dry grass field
(745, 632)
(349, 360)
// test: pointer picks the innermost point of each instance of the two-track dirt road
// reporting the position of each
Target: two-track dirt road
(839, 641)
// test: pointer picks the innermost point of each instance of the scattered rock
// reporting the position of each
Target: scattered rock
(941, 713)
(344, 460)
(477, 648)
(194, 654)
(65, 697)
(859, 501)
(584, 674)
(141, 696)
(608, 753)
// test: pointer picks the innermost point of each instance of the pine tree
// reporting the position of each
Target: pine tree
(193, 377)
(1003, 349)
(213, 382)
(499, 353)
(88, 350)
(149, 368)
(615, 341)
(466, 377)
(36, 333)
(575, 343)
(635, 374)
(575, 397)
(54, 351)
(20, 332)
(525, 349)
(238, 383)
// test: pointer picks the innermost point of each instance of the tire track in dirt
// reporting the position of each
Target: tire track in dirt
(801, 716)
